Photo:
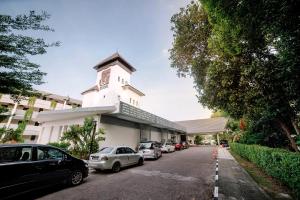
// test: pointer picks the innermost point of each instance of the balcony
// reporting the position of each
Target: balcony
(29, 130)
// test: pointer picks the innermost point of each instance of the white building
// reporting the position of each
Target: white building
(115, 105)
(20, 107)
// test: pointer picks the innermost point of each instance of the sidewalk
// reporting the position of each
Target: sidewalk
(234, 182)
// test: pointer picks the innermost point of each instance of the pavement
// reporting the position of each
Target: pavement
(234, 182)
(187, 174)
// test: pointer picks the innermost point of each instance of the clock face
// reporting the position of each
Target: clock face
(104, 78)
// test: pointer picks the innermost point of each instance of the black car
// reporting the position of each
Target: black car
(27, 167)
(224, 143)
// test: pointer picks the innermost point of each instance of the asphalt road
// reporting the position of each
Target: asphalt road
(186, 174)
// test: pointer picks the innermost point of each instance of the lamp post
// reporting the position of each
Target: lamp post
(93, 136)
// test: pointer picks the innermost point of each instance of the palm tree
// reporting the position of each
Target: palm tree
(82, 139)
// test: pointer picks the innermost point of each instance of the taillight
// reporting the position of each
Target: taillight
(104, 158)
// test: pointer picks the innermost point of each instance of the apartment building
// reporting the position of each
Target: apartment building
(29, 107)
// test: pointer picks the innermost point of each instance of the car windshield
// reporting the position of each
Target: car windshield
(145, 145)
(106, 150)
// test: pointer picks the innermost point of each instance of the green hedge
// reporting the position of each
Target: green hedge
(278, 163)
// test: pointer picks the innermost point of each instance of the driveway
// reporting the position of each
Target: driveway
(186, 174)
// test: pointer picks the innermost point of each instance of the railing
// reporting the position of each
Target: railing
(29, 130)
(140, 114)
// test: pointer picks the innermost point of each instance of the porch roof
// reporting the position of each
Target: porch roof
(204, 126)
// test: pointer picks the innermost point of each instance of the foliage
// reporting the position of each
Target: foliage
(278, 163)
(17, 73)
(31, 101)
(198, 139)
(53, 104)
(219, 113)
(62, 145)
(3, 110)
(11, 135)
(80, 138)
(243, 58)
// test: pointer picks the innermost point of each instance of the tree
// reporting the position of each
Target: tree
(17, 74)
(81, 137)
(240, 64)
(199, 139)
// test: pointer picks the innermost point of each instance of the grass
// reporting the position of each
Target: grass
(270, 185)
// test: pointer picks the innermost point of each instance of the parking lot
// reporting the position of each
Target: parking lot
(186, 174)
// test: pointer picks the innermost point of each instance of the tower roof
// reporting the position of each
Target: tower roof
(116, 57)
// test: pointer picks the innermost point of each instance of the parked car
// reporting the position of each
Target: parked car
(224, 143)
(178, 146)
(27, 167)
(185, 145)
(150, 149)
(114, 158)
(167, 147)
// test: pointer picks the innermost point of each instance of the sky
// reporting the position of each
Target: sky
(92, 30)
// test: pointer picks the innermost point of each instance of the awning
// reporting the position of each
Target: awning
(204, 126)
(55, 115)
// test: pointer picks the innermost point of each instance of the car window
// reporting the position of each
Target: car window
(46, 153)
(15, 154)
(145, 145)
(106, 150)
(128, 150)
(121, 150)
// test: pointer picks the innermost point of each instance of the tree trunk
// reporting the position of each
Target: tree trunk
(288, 133)
(295, 125)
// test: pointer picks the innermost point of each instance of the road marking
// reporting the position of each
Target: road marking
(216, 177)
(216, 193)
(217, 169)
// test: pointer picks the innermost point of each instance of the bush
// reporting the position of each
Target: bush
(278, 163)
(62, 145)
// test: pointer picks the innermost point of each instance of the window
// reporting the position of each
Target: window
(44, 98)
(137, 103)
(119, 78)
(36, 124)
(103, 96)
(130, 100)
(106, 150)
(122, 81)
(128, 150)
(32, 138)
(133, 102)
(45, 153)
(41, 109)
(121, 150)
(15, 154)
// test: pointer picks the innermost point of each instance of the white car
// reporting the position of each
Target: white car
(150, 150)
(114, 158)
(167, 147)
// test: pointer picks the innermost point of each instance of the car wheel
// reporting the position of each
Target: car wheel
(116, 167)
(141, 162)
(76, 178)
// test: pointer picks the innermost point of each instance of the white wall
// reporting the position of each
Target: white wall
(119, 135)
(50, 131)
(114, 92)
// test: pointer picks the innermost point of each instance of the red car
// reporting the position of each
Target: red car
(178, 146)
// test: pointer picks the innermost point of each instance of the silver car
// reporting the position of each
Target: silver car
(150, 149)
(114, 158)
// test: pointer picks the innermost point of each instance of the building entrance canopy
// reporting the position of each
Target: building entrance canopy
(204, 126)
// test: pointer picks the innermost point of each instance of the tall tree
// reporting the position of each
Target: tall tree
(239, 64)
(17, 74)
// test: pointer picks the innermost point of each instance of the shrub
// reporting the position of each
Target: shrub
(278, 163)
(62, 145)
